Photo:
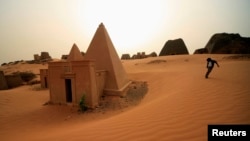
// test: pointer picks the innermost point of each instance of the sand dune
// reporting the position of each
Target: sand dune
(179, 105)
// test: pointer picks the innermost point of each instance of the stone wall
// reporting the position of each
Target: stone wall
(3, 82)
(13, 80)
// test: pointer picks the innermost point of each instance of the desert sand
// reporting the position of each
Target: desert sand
(179, 105)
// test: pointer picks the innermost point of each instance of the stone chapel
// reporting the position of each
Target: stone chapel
(98, 73)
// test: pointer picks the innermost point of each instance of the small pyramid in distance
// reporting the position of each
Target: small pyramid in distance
(102, 51)
(75, 54)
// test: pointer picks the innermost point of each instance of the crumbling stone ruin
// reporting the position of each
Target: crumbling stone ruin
(9, 81)
(139, 55)
(224, 43)
(15, 79)
(174, 47)
(44, 57)
(64, 57)
(125, 57)
(135, 93)
(3, 82)
(36, 57)
(153, 54)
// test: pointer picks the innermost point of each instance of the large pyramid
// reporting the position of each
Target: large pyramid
(74, 54)
(174, 47)
(102, 51)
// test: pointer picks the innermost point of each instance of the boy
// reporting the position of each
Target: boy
(210, 65)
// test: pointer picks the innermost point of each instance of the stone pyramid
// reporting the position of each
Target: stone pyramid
(74, 54)
(102, 51)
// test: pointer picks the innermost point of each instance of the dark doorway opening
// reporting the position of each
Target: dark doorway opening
(46, 84)
(68, 90)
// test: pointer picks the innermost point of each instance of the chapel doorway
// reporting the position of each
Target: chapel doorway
(46, 83)
(68, 88)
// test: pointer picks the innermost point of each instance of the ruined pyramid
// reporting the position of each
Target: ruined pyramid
(102, 51)
(75, 54)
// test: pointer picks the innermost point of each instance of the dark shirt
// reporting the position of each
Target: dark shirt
(212, 63)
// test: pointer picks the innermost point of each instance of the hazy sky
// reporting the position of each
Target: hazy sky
(29, 27)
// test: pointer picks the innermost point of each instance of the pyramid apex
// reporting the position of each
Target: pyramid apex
(101, 25)
(75, 54)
